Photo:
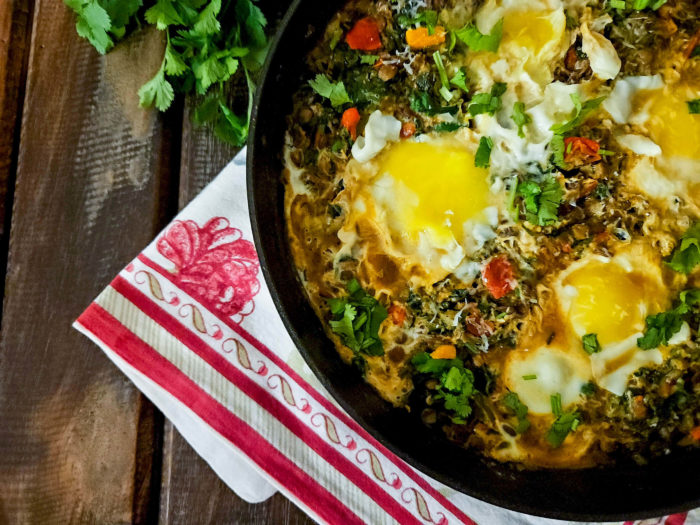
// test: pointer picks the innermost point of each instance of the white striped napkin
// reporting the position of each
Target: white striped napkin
(190, 321)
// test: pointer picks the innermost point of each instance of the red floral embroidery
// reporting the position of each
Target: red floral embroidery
(214, 264)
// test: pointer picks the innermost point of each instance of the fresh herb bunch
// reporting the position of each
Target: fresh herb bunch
(207, 43)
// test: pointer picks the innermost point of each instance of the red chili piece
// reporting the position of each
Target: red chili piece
(364, 35)
(498, 277)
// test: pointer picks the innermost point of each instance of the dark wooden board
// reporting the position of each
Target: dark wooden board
(15, 30)
(94, 185)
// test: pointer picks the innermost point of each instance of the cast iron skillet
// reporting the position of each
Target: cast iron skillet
(668, 485)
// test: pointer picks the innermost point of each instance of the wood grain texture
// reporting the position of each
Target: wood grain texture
(93, 187)
(15, 29)
(192, 493)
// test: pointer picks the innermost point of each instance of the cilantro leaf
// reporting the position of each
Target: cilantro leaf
(456, 387)
(556, 147)
(636, 5)
(588, 389)
(460, 80)
(456, 383)
(520, 118)
(335, 92)
(483, 153)
(369, 59)
(93, 23)
(487, 102)
(686, 256)
(356, 320)
(579, 115)
(477, 41)
(513, 403)
(561, 427)
(541, 198)
(447, 126)
(591, 344)
(428, 17)
(660, 328)
(207, 23)
(425, 364)
(163, 14)
(694, 106)
(157, 92)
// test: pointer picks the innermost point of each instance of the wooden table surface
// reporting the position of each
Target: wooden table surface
(87, 179)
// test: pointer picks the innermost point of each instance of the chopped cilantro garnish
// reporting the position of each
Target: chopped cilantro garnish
(444, 80)
(456, 383)
(660, 328)
(487, 102)
(335, 92)
(483, 153)
(476, 41)
(512, 402)
(562, 426)
(369, 59)
(564, 423)
(460, 80)
(428, 17)
(588, 389)
(520, 118)
(694, 106)
(578, 117)
(529, 377)
(556, 147)
(636, 5)
(447, 126)
(591, 344)
(686, 256)
(356, 319)
(541, 197)
(602, 191)
(555, 402)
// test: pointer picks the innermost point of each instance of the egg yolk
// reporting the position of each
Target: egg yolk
(670, 123)
(533, 34)
(609, 302)
(450, 190)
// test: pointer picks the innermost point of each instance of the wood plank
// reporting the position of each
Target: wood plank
(15, 29)
(190, 491)
(93, 187)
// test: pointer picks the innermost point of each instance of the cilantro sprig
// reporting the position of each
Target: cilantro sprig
(356, 320)
(542, 196)
(455, 384)
(660, 328)
(207, 43)
(686, 256)
(333, 91)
